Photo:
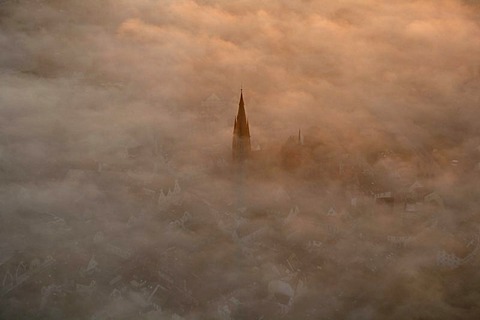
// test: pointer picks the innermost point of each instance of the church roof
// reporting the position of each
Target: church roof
(241, 127)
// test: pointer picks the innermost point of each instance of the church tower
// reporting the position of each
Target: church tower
(241, 133)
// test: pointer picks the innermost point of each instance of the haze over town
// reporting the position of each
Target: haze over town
(355, 196)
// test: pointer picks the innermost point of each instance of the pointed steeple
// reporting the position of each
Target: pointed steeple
(241, 123)
(241, 132)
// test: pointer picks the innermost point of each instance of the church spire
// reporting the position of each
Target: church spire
(241, 132)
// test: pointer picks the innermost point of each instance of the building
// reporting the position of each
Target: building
(241, 146)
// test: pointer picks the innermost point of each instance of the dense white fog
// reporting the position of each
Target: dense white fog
(119, 198)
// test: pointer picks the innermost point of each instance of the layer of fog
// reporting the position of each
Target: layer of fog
(82, 82)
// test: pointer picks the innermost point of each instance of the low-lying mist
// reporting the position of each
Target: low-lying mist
(120, 200)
